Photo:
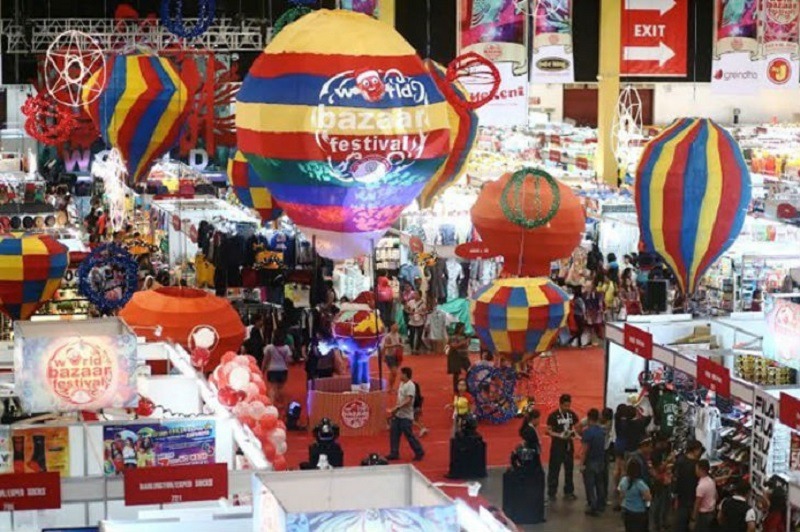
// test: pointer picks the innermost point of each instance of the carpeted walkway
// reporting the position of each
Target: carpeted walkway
(580, 373)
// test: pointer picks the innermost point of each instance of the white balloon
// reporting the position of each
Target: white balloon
(271, 412)
(281, 448)
(239, 379)
(204, 337)
(277, 437)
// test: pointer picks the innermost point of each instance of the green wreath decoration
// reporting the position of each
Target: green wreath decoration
(516, 214)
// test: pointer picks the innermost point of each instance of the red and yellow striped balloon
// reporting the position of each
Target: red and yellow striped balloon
(692, 194)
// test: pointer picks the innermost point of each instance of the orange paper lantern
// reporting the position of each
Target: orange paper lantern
(181, 312)
(530, 219)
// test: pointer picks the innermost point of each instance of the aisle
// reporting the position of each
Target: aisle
(580, 374)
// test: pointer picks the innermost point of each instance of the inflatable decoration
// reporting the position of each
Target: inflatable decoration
(358, 330)
(530, 219)
(141, 109)
(692, 191)
(344, 131)
(183, 314)
(31, 269)
(519, 316)
(250, 189)
(108, 277)
(172, 18)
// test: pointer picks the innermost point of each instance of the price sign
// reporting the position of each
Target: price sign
(714, 377)
(173, 484)
(638, 341)
(474, 250)
(30, 491)
(790, 411)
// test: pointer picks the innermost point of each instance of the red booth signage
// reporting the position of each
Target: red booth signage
(638, 341)
(30, 491)
(473, 250)
(790, 411)
(713, 376)
(161, 485)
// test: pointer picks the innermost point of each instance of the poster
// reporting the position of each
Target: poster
(782, 341)
(60, 374)
(765, 414)
(498, 30)
(40, 449)
(5, 449)
(171, 443)
(755, 45)
(552, 60)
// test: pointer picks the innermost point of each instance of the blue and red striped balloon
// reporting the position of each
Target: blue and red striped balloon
(692, 194)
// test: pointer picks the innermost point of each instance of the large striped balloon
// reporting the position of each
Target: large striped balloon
(463, 134)
(141, 110)
(250, 189)
(692, 193)
(344, 123)
(520, 315)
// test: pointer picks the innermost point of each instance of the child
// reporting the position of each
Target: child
(461, 405)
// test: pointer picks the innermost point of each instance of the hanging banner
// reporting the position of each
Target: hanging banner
(714, 377)
(654, 40)
(552, 60)
(780, 28)
(497, 30)
(782, 341)
(765, 414)
(171, 443)
(41, 449)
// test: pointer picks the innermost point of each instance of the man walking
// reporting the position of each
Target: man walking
(403, 418)
(560, 427)
(593, 464)
(686, 485)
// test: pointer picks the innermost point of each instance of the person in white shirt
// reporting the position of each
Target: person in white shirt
(276, 365)
(403, 418)
(417, 313)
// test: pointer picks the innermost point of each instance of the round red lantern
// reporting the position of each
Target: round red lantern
(530, 219)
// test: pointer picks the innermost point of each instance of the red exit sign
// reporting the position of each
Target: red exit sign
(654, 38)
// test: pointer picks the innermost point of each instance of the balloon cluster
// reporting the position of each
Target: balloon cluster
(241, 387)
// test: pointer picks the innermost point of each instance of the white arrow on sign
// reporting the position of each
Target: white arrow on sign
(661, 53)
(662, 6)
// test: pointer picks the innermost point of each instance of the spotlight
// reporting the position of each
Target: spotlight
(293, 416)
(374, 459)
(326, 431)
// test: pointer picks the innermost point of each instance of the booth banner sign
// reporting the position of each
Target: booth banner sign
(755, 46)
(497, 30)
(355, 414)
(60, 374)
(30, 491)
(176, 484)
(713, 376)
(551, 60)
(654, 40)
(171, 443)
(638, 341)
(790, 411)
(5, 449)
(765, 414)
(782, 341)
(429, 518)
(474, 250)
(39, 449)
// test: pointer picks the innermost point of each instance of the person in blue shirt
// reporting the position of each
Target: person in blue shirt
(635, 498)
(593, 464)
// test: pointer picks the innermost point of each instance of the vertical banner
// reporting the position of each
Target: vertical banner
(736, 60)
(765, 415)
(780, 43)
(552, 42)
(497, 30)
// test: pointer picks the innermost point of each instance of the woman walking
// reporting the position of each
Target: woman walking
(635, 497)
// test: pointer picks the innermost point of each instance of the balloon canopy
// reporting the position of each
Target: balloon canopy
(519, 316)
(530, 219)
(463, 134)
(344, 123)
(250, 189)
(31, 270)
(187, 316)
(692, 192)
(141, 109)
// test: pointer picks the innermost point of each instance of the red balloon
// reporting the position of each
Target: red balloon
(279, 464)
(230, 397)
(269, 423)
(269, 450)
(145, 408)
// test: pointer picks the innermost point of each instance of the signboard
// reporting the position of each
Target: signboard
(713, 376)
(473, 250)
(355, 414)
(163, 485)
(790, 411)
(415, 245)
(30, 491)
(638, 341)
(765, 412)
(41, 449)
(654, 38)
(782, 341)
(144, 445)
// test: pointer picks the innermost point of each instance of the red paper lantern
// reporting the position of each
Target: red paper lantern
(179, 312)
(530, 219)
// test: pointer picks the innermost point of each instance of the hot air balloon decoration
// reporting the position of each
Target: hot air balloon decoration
(692, 192)
(250, 189)
(345, 132)
(141, 110)
(31, 270)
(530, 219)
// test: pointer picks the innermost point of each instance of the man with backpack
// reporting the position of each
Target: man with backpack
(403, 418)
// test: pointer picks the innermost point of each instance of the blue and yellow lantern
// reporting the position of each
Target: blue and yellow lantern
(692, 193)
(31, 270)
(250, 189)
(141, 109)
(519, 316)
(345, 125)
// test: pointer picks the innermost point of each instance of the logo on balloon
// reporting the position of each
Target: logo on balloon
(79, 372)
(355, 414)
(363, 136)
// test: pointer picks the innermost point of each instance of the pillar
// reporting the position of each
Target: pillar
(608, 88)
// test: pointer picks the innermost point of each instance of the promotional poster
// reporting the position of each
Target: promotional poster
(782, 343)
(172, 443)
(40, 449)
(552, 60)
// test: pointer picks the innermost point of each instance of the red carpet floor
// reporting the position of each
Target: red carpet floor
(580, 373)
